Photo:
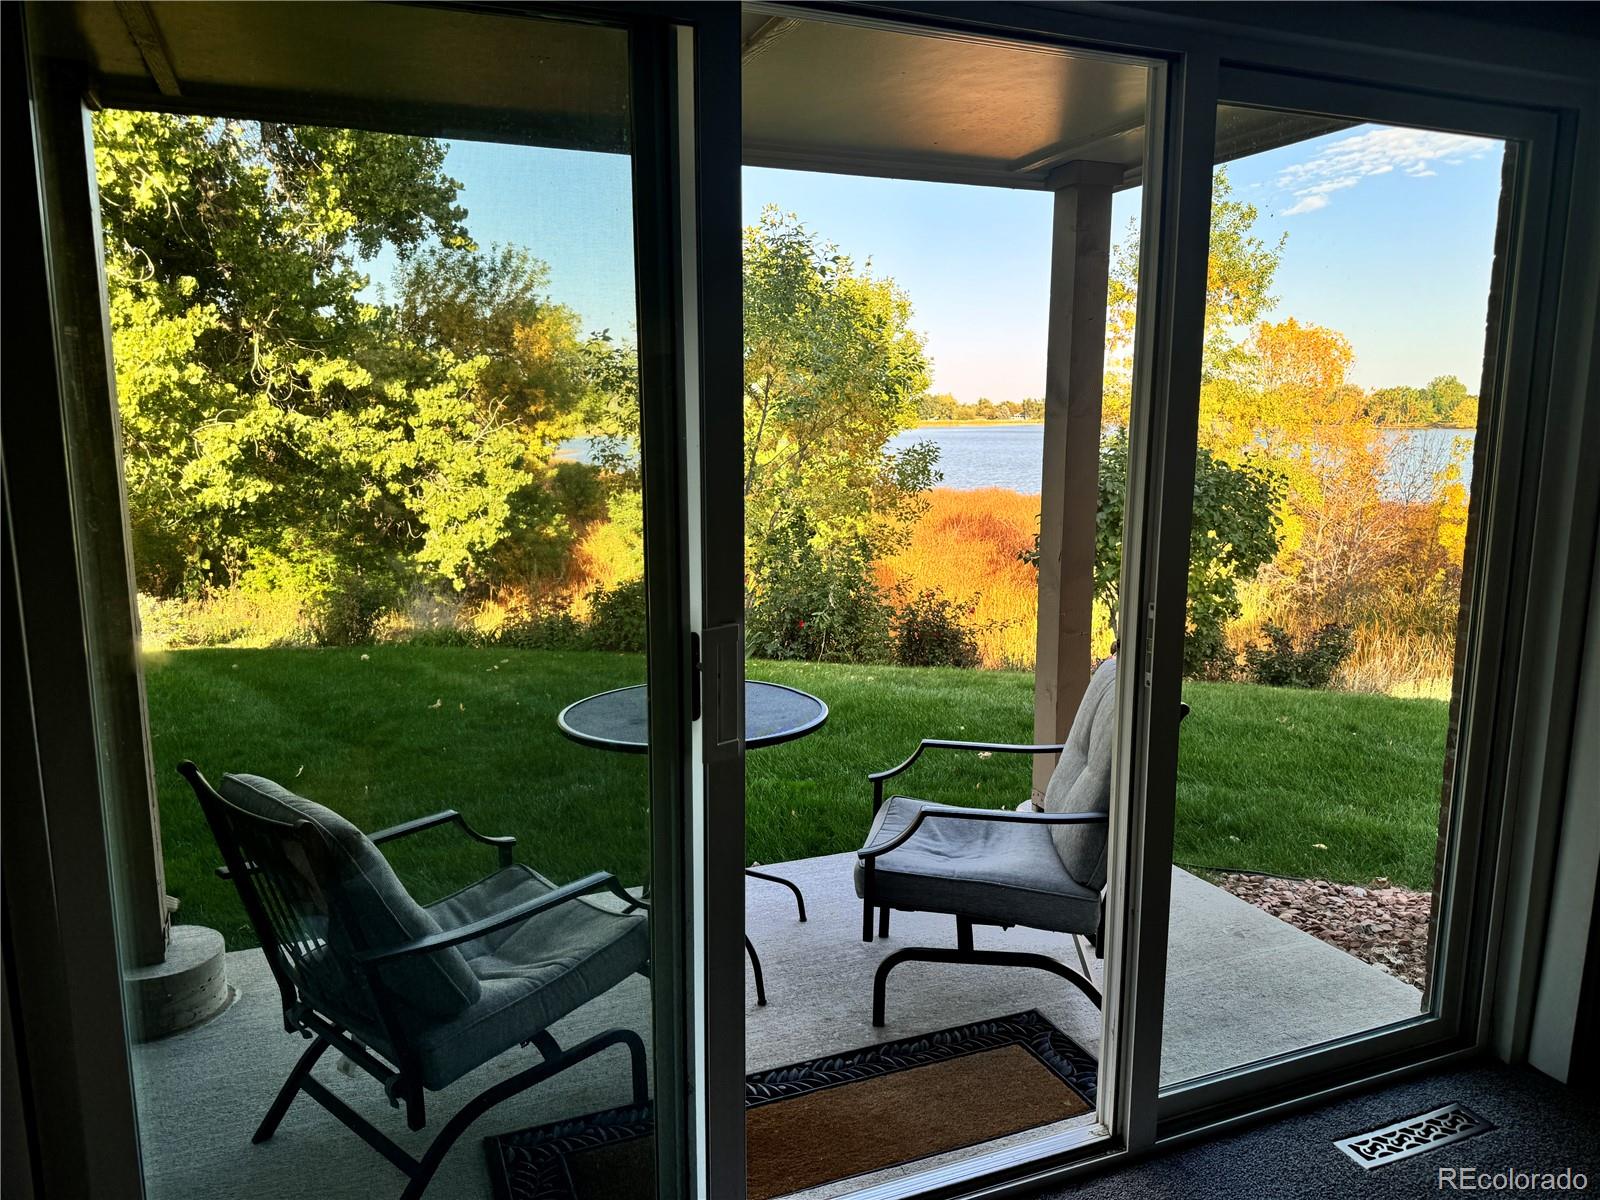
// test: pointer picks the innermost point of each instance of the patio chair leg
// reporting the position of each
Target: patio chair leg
(983, 958)
(883, 921)
(1083, 961)
(506, 1088)
(799, 897)
(866, 920)
(290, 1089)
(963, 935)
(416, 1113)
(755, 967)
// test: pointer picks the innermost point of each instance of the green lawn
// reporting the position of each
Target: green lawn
(391, 732)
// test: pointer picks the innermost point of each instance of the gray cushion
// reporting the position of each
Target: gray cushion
(531, 974)
(437, 985)
(999, 872)
(1081, 781)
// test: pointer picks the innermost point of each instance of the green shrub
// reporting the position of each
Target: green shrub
(1206, 653)
(931, 631)
(440, 636)
(345, 608)
(1280, 663)
(549, 628)
(1234, 532)
(822, 607)
(617, 618)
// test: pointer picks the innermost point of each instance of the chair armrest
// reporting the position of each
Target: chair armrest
(868, 853)
(407, 828)
(504, 845)
(944, 744)
(600, 881)
(877, 777)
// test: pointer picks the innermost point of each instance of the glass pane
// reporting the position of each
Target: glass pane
(379, 417)
(936, 405)
(1345, 313)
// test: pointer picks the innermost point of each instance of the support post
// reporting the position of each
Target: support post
(1074, 382)
(92, 438)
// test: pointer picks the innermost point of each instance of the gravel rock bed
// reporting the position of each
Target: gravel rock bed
(1384, 925)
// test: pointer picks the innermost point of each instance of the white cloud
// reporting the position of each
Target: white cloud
(1308, 204)
(1375, 151)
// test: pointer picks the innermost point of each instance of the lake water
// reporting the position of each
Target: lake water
(1012, 456)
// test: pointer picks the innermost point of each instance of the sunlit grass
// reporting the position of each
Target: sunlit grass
(387, 733)
(965, 547)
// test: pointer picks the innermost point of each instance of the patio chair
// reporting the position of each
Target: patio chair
(1038, 869)
(416, 996)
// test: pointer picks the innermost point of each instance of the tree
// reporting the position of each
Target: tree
(833, 370)
(1445, 401)
(1305, 362)
(819, 598)
(1233, 534)
(536, 378)
(1288, 394)
(1399, 406)
(1239, 273)
(1449, 403)
(279, 420)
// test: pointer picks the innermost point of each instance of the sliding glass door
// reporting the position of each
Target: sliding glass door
(1351, 578)
(950, 256)
(388, 384)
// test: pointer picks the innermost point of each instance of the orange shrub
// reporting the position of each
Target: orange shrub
(965, 547)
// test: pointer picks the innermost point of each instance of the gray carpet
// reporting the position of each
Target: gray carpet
(1540, 1125)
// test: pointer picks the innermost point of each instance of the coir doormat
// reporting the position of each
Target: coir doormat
(829, 1118)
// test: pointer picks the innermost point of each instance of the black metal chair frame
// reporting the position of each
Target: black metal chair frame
(262, 891)
(750, 947)
(964, 951)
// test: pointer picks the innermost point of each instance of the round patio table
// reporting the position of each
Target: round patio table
(773, 714)
(616, 720)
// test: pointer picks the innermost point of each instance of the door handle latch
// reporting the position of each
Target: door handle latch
(719, 689)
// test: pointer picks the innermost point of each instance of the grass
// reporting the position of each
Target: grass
(387, 733)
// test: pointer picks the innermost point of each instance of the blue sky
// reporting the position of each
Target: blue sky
(1390, 242)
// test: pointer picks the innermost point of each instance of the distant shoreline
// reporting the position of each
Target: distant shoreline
(974, 422)
(981, 422)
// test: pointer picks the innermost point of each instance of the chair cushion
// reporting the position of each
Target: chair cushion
(531, 974)
(437, 985)
(1081, 781)
(997, 872)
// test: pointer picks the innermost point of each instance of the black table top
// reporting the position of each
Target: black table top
(615, 720)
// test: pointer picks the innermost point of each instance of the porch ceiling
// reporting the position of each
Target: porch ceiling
(494, 76)
(817, 95)
(857, 100)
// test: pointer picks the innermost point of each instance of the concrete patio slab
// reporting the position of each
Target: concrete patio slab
(1241, 985)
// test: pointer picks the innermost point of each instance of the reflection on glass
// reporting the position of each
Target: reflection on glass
(350, 370)
(1348, 283)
